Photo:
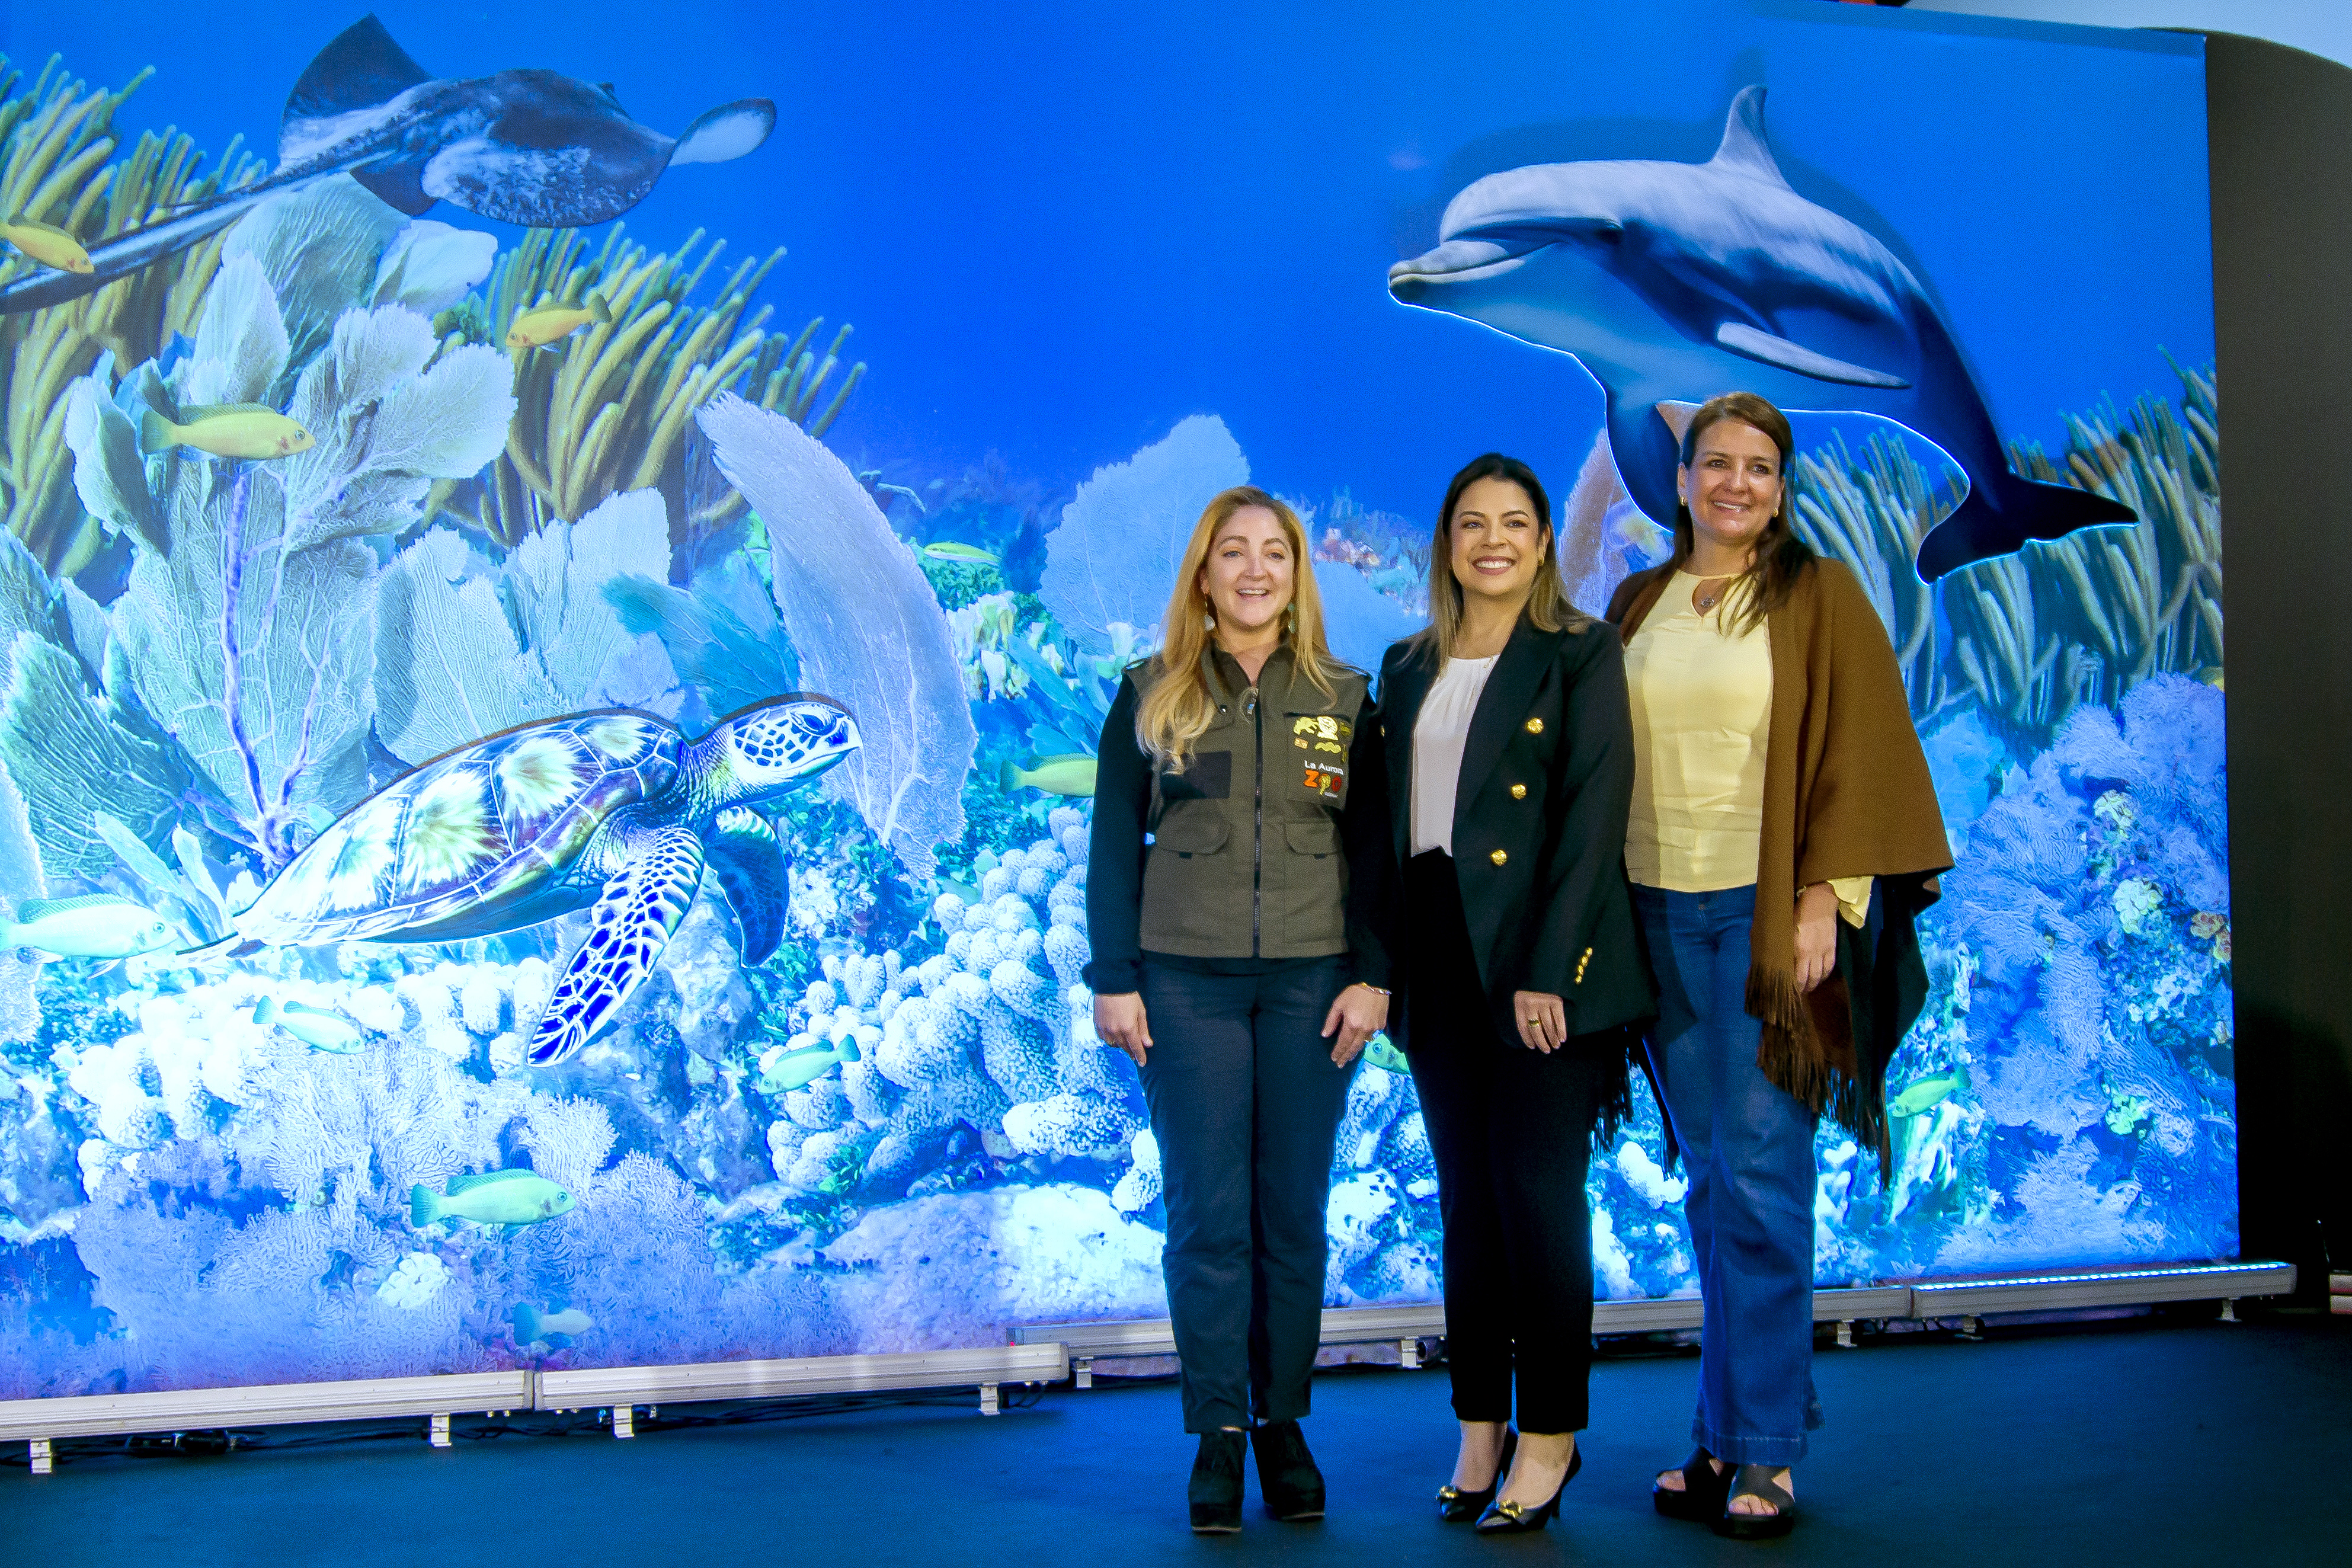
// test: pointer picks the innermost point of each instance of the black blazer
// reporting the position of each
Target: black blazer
(1539, 814)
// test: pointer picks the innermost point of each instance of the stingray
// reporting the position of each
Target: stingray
(1672, 282)
(530, 147)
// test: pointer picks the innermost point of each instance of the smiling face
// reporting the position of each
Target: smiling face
(1249, 574)
(1732, 484)
(1496, 542)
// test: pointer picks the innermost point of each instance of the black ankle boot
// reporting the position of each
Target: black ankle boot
(1287, 1476)
(1216, 1492)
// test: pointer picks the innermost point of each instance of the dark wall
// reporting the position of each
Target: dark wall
(2282, 168)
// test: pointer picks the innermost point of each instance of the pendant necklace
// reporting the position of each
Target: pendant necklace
(1705, 596)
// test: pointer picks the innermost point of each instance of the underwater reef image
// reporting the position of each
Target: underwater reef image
(515, 853)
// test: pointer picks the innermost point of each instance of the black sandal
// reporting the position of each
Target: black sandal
(1705, 1490)
(1759, 1526)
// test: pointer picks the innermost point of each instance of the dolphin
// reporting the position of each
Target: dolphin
(532, 147)
(1672, 282)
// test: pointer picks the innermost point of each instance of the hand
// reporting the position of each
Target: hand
(1816, 915)
(1119, 1020)
(1542, 1019)
(1357, 1014)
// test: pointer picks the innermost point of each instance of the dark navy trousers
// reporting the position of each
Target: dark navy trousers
(1747, 1149)
(1244, 1103)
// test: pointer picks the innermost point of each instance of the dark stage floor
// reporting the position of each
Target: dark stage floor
(2146, 1442)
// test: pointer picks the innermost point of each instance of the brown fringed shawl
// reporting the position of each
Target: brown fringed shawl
(1846, 794)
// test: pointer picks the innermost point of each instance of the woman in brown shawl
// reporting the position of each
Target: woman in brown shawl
(1784, 836)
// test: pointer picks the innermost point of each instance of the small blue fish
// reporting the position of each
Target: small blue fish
(559, 1329)
(314, 1026)
(781, 1070)
(98, 926)
(510, 1198)
(958, 550)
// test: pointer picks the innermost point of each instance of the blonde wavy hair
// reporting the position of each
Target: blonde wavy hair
(1177, 702)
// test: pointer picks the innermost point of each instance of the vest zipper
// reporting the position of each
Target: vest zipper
(1257, 811)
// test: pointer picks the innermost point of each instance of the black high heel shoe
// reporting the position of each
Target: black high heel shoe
(1518, 1517)
(1456, 1506)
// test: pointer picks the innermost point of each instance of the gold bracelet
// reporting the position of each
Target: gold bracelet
(1375, 990)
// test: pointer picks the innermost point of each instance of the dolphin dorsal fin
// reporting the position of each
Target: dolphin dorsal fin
(1744, 147)
(358, 69)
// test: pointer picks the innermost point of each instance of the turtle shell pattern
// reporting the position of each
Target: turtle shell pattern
(474, 843)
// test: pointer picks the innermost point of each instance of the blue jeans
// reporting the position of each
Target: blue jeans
(1747, 1149)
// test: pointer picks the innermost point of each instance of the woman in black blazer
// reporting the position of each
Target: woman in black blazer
(1519, 968)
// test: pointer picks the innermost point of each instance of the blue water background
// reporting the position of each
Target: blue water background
(1060, 228)
(1059, 232)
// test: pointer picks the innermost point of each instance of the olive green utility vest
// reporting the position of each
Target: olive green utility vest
(1245, 858)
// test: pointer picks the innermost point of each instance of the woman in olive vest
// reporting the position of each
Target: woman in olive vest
(1510, 759)
(1239, 865)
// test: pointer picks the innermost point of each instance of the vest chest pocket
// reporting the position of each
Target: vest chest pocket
(1185, 834)
(1318, 838)
(1314, 753)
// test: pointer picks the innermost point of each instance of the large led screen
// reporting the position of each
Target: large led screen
(544, 781)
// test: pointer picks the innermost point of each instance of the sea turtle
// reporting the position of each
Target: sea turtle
(615, 809)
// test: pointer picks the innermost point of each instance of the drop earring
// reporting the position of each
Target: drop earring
(1209, 620)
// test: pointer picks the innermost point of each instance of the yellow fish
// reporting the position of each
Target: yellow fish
(225, 430)
(536, 329)
(1073, 775)
(956, 550)
(46, 243)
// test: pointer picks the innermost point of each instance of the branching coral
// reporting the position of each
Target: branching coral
(606, 408)
(1870, 512)
(2146, 599)
(2082, 620)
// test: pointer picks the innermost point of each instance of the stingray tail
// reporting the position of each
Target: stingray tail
(726, 133)
(2000, 518)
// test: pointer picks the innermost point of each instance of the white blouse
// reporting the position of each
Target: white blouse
(1437, 740)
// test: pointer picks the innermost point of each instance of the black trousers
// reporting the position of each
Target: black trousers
(1244, 1101)
(1511, 1130)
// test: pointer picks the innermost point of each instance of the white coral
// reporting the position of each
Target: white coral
(995, 1032)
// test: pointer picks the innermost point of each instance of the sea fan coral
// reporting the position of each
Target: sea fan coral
(1109, 564)
(866, 626)
(245, 622)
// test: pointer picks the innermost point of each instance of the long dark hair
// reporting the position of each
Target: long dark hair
(1780, 557)
(1548, 608)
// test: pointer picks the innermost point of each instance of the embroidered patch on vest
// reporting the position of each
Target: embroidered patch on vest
(1326, 733)
(1326, 776)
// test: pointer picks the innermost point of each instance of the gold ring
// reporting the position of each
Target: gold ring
(1533, 1019)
